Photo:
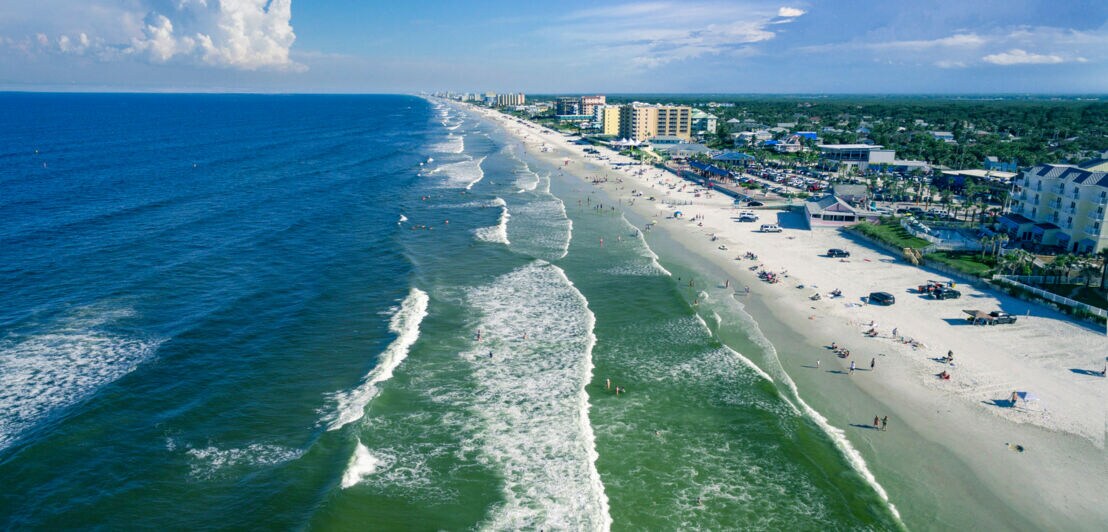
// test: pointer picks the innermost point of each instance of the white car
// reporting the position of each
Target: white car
(771, 228)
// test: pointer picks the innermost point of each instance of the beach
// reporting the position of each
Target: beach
(956, 452)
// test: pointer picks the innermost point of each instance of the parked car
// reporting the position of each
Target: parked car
(881, 298)
(836, 252)
(943, 292)
(770, 228)
(753, 203)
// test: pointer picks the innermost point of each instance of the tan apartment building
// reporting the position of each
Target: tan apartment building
(1060, 205)
(607, 119)
(643, 122)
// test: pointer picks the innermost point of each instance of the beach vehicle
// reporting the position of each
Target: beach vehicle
(945, 292)
(836, 252)
(753, 203)
(770, 228)
(978, 317)
(881, 298)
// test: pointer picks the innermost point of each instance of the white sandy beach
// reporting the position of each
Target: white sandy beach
(968, 415)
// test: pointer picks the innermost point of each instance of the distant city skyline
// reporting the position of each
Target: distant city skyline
(850, 46)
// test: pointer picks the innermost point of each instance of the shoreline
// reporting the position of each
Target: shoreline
(940, 436)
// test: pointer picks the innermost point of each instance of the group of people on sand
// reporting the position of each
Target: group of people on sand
(881, 423)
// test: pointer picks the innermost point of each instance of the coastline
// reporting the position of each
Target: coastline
(944, 460)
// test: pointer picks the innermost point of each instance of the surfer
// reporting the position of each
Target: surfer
(478, 335)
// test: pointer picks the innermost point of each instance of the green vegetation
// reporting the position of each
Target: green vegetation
(890, 232)
(1082, 293)
(969, 263)
(1030, 130)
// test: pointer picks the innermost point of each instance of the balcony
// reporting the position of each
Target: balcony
(1097, 214)
(1092, 230)
(1103, 200)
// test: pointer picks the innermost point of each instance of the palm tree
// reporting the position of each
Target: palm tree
(987, 241)
(1062, 263)
(1018, 259)
(1088, 269)
(1000, 241)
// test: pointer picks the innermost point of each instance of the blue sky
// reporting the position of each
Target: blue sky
(851, 46)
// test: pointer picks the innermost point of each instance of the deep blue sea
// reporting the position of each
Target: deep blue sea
(360, 312)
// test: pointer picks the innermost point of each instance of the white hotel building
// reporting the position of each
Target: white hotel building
(1060, 205)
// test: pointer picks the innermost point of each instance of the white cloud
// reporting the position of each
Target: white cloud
(1016, 56)
(235, 34)
(244, 34)
(653, 34)
(996, 46)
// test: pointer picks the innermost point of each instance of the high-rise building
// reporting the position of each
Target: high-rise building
(567, 105)
(588, 104)
(607, 119)
(508, 100)
(643, 122)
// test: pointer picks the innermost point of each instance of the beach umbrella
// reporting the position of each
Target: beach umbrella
(677, 213)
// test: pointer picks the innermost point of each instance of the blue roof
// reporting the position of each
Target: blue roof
(770, 143)
(709, 168)
(807, 134)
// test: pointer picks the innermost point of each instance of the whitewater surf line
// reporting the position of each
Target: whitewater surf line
(531, 365)
(837, 435)
(361, 465)
(43, 371)
(497, 234)
(351, 405)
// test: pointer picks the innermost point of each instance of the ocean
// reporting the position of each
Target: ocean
(351, 312)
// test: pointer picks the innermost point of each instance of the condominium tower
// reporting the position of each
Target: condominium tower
(643, 122)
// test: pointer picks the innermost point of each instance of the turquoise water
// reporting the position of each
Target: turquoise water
(374, 312)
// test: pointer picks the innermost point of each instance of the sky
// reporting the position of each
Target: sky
(566, 46)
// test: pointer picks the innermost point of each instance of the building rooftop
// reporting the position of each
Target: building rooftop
(1069, 172)
(983, 174)
(850, 146)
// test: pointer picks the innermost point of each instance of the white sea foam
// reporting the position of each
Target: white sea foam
(836, 434)
(64, 363)
(531, 401)
(542, 222)
(402, 219)
(210, 460)
(497, 234)
(462, 174)
(452, 144)
(362, 464)
(351, 405)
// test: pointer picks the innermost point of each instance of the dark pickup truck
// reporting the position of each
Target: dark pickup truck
(945, 293)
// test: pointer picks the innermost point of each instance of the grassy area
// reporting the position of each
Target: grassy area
(890, 232)
(1089, 296)
(969, 263)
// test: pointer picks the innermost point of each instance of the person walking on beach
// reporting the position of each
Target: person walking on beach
(885, 423)
(872, 363)
(894, 333)
(876, 422)
(851, 367)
